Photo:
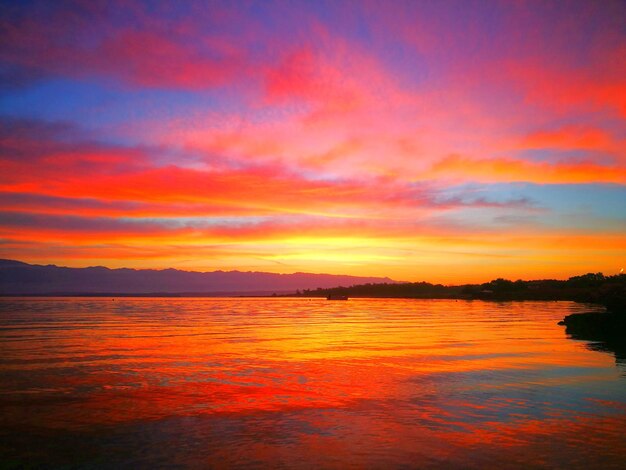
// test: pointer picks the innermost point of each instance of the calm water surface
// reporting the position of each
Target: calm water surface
(307, 383)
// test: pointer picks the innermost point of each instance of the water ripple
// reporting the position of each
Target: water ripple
(284, 383)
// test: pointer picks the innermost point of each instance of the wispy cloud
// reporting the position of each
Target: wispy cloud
(330, 137)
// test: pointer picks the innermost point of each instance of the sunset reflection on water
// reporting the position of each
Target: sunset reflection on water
(130, 383)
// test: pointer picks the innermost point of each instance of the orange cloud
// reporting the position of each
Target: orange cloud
(571, 137)
(510, 169)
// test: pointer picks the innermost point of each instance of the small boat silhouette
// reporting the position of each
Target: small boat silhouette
(337, 297)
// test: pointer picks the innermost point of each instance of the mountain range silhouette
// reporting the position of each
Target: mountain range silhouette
(18, 278)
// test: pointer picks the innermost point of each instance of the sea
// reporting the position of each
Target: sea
(132, 383)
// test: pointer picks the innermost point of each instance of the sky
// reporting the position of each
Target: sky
(446, 141)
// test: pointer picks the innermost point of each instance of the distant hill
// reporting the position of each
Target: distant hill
(21, 278)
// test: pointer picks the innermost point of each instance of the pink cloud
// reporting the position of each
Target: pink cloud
(85, 42)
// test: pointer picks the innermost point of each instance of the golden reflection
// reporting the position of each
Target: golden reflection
(404, 372)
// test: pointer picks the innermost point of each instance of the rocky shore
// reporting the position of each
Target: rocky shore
(607, 329)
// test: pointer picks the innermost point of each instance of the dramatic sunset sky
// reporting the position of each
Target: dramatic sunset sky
(421, 140)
